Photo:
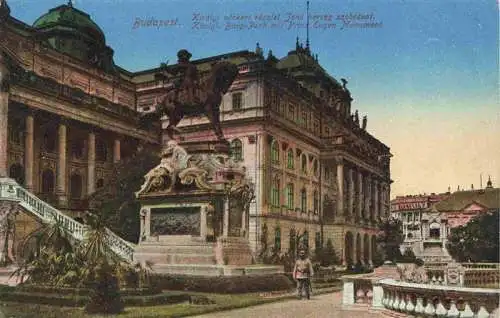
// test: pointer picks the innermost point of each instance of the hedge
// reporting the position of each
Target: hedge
(81, 300)
(81, 291)
(223, 284)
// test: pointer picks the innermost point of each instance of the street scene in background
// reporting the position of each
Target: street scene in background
(249, 158)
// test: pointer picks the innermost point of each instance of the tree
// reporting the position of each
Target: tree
(116, 202)
(478, 240)
(390, 238)
(326, 255)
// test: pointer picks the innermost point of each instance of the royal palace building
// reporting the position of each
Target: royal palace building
(69, 112)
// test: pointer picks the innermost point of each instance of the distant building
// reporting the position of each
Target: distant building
(428, 219)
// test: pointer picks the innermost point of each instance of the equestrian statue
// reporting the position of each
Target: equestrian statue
(193, 94)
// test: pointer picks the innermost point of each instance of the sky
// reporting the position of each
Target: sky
(425, 73)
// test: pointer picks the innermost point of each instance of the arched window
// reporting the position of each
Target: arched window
(303, 200)
(275, 193)
(275, 152)
(101, 150)
(303, 164)
(277, 238)
(75, 186)
(289, 196)
(290, 162)
(236, 150)
(16, 172)
(316, 202)
(48, 181)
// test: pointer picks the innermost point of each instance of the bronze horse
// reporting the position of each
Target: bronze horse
(210, 92)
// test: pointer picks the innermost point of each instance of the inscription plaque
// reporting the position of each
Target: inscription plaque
(175, 221)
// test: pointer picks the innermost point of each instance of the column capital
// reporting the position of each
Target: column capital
(339, 160)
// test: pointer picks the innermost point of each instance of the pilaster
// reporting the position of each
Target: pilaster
(360, 196)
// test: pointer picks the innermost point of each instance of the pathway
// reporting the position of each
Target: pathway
(326, 305)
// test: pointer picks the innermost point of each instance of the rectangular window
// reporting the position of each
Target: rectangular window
(289, 194)
(237, 101)
(303, 119)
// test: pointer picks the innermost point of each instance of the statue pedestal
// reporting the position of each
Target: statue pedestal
(193, 216)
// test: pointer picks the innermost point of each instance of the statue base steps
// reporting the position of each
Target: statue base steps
(216, 270)
(186, 255)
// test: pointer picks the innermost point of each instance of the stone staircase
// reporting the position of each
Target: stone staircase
(11, 192)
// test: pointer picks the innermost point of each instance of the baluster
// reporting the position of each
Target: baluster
(440, 280)
(419, 307)
(409, 305)
(453, 312)
(482, 313)
(433, 280)
(440, 310)
(395, 305)
(389, 299)
(429, 309)
(467, 312)
(402, 303)
(495, 313)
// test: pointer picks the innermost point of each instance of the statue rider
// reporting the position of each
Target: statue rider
(189, 81)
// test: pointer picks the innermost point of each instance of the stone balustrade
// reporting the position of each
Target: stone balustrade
(424, 300)
(475, 274)
(11, 191)
(383, 290)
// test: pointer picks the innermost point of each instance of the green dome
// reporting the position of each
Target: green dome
(67, 19)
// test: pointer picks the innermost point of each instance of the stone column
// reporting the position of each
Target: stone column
(61, 166)
(340, 187)
(244, 222)
(370, 251)
(360, 196)
(351, 194)
(376, 201)
(28, 152)
(91, 164)
(4, 110)
(225, 224)
(203, 223)
(368, 208)
(117, 151)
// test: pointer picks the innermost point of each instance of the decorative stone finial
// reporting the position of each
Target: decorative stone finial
(258, 50)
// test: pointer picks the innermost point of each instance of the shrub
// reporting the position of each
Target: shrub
(224, 285)
(105, 296)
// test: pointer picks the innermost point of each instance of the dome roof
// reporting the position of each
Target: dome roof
(66, 18)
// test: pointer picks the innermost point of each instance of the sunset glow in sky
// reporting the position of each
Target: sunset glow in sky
(426, 75)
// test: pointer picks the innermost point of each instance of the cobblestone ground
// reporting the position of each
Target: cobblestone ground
(327, 305)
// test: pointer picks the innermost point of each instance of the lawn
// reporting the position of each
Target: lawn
(222, 302)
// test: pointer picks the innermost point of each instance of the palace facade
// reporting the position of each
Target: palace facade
(70, 113)
(428, 219)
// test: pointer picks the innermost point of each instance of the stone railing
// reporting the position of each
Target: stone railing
(383, 290)
(478, 275)
(423, 300)
(11, 191)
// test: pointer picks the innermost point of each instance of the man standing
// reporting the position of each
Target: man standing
(302, 273)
